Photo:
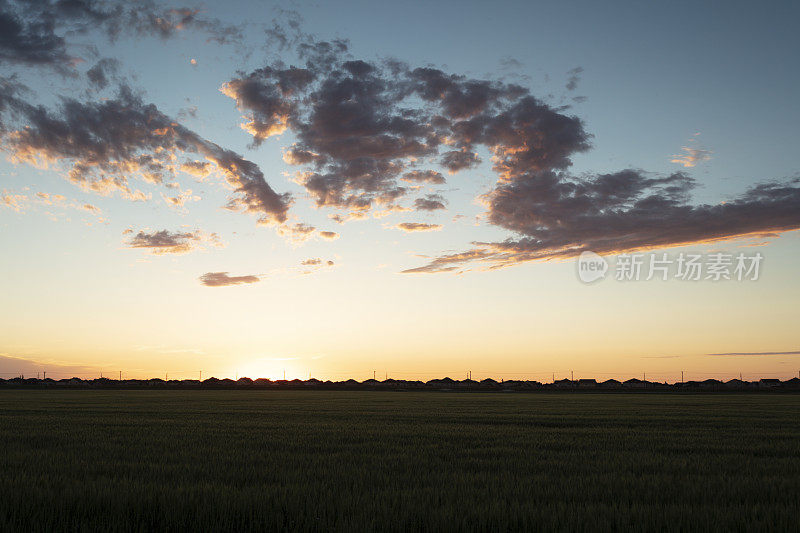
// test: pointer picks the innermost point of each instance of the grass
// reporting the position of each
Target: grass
(356, 461)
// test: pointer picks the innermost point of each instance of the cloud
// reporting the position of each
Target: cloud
(315, 264)
(166, 242)
(101, 73)
(12, 366)
(692, 157)
(418, 226)
(362, 131)
(298, 232)
(222, 279)
(17, 202)
(430, 202)
(574, 78)
(359, 125)
(50, 199)
(267, 96)
(329, 235)
(102, 145)
(29, 40)
(796, 352)
(424, 176)
(35, 33)
(510, 63)
(457, 160)
(199, 169)
(180, 199)
(560, 216)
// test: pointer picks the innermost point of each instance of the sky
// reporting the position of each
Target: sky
(339, 190)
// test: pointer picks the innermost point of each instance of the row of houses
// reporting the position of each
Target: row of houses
(393, 384)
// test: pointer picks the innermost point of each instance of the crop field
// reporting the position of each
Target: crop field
(356, 461)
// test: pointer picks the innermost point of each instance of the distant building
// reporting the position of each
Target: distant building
(736, 384)
(769, 383)
(711, 384)
(793, 383)
(634, 383)
(563, 384)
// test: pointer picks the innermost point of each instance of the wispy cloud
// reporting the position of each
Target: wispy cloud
(222, 279)
(167, 242)
(796, 352)
(16, 202)
(418, 226)
(691, 156)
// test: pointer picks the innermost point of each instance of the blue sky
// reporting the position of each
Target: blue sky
(654, 79)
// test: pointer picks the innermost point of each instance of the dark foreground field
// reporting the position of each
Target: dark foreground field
(354, 461)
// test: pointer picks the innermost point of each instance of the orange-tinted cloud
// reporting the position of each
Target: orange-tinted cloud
(430, 202)
(222, 279)
(424, 176)
(17, 202)
(103, 145)
(691, 157)
(418, 226)
(329, 235)
(167, 242)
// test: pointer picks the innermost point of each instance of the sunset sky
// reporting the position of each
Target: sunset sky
(332, 190)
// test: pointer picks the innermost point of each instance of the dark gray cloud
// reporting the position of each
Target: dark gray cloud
(561, 216)
(104, 144)
(30, 41)
(574, 78)
(456, 160)
(361, 128)
(102, 72)
(431, 202)
(222, 279)
(34, 32)
(167, 242)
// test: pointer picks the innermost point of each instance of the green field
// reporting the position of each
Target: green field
(355, 461)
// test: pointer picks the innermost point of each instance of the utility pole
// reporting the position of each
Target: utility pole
(373, 375)
(571, 375)
(681, 376)
(120, 375)
(554, 377)
(201, 375)
(44, 374)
